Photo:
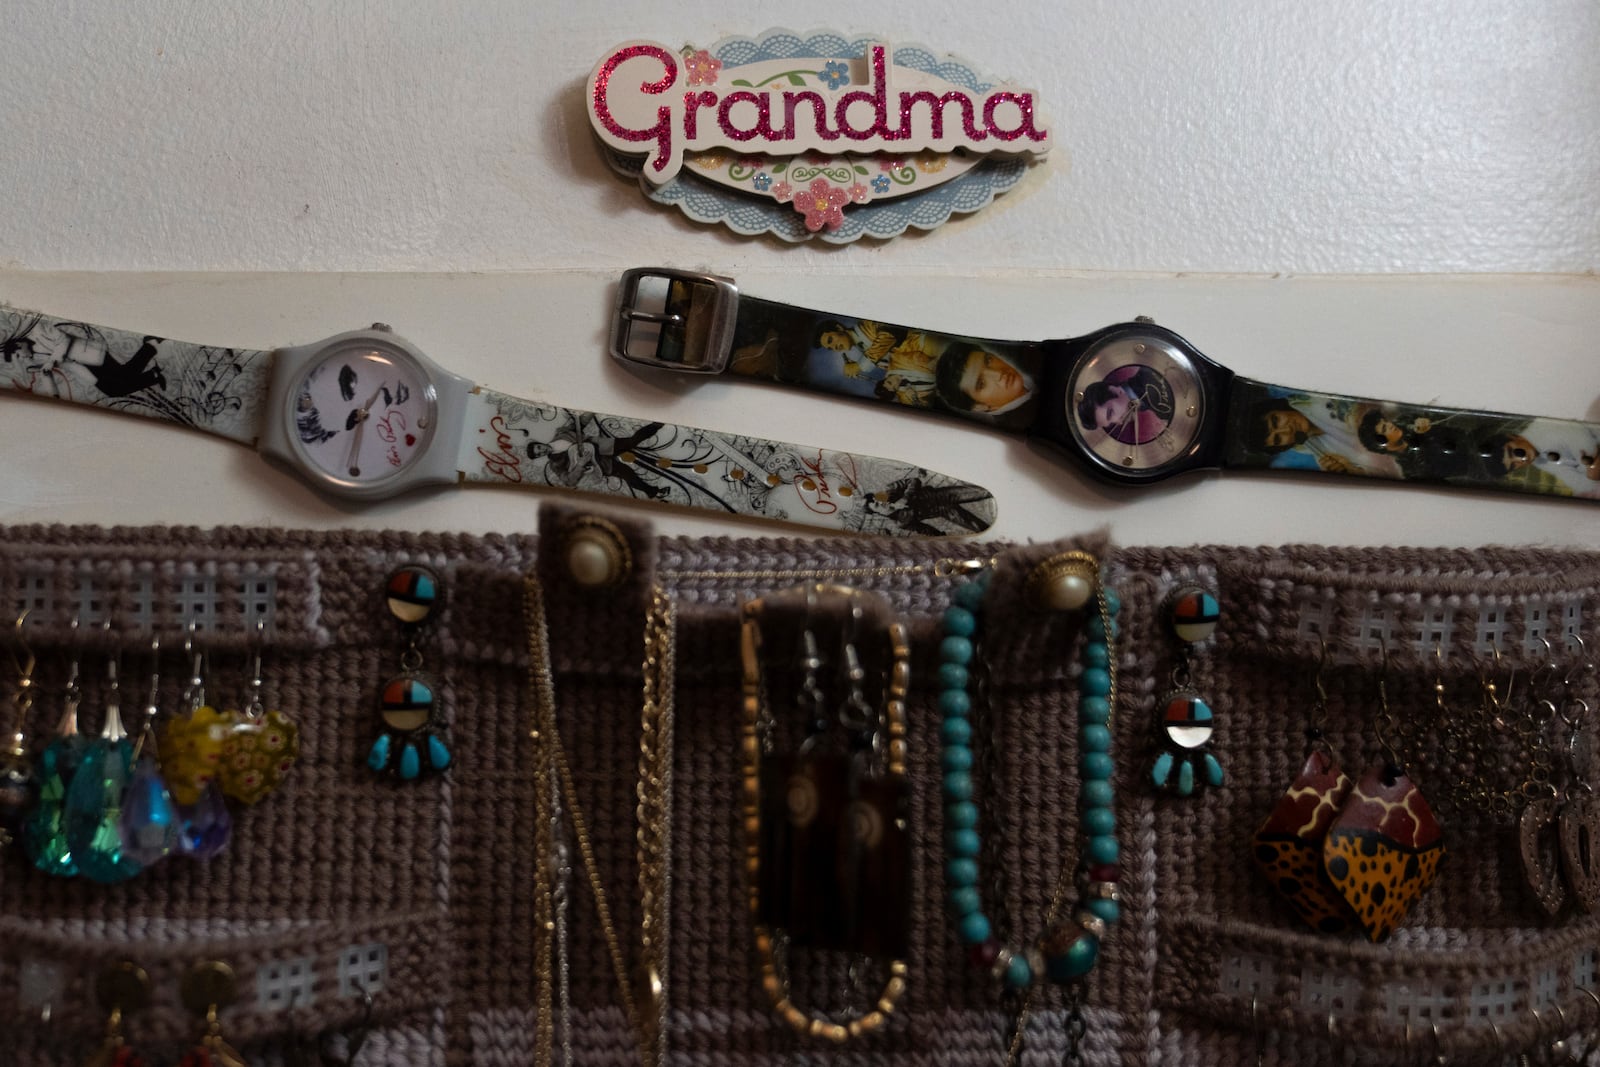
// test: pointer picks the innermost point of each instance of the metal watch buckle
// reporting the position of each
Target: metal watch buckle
(675, 319)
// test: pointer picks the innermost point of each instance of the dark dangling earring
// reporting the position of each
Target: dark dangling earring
(1384, 849)
(413, 741)
(1288, 845)
(1580, 817)
(19, 787)
(1186, 718)
(1538, 824)
(207, 989)
(827, 837)
(123, 989)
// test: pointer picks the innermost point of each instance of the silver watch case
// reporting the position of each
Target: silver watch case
(435, 465)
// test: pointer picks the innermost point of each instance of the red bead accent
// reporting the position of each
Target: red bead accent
(1104, 872)
(983, 954)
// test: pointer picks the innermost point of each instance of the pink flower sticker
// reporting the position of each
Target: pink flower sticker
(820, 205)
(890, 164)
(703, 67)
(859, 193)
(783, 192)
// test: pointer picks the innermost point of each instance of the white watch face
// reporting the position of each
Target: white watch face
(362, 412)
(1135, 404)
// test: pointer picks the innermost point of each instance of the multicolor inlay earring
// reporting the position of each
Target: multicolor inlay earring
(1186, 718)
(1288, 846)
(1384, 849)
(413, 741)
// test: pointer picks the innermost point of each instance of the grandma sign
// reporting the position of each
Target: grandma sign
(816, 126)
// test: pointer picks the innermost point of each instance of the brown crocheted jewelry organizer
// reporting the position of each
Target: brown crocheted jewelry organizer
(418, 892)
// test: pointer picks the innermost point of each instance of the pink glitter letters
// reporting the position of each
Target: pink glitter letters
(633, 101)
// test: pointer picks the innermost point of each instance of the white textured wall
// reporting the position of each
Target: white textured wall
(1221, 136)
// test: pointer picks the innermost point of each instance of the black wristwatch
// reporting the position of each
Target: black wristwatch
(1133, 403)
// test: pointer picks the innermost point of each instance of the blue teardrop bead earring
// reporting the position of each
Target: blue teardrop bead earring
(413, 741)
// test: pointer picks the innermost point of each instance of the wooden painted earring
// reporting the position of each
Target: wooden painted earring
(1288, 846)
(1384, 850)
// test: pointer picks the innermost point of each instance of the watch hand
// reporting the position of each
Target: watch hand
(361, 424)
(1128, 416)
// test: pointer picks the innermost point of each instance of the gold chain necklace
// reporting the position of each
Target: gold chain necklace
(652, 839)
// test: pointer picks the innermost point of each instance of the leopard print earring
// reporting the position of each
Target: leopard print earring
(1288, 846)
(1384, 849)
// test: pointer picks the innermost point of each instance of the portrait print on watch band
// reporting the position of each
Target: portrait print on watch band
(365, 412)
(992, 383)
(218, 390)
(1276, 427)
(649, 460)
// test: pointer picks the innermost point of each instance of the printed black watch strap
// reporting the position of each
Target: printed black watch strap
(1272, 426)
(700, 326)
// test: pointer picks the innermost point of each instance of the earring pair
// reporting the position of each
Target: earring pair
(1343, 853)
(123, 989)
(412, 740)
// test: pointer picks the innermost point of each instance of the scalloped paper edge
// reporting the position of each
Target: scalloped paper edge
(711, 203)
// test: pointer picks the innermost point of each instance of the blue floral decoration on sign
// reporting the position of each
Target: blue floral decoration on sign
(707, 201)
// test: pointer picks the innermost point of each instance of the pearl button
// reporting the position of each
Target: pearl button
(1063, 583)
(1066, 592)
(597, 553)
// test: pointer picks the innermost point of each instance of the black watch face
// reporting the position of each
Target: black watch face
(1135, 406)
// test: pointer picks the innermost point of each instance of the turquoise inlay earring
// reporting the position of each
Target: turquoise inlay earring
(1185, 763)
(412, 742)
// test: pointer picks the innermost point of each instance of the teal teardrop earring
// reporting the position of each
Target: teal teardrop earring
(413, 741)
(94, 799)
(46, 831)
(1186, 763)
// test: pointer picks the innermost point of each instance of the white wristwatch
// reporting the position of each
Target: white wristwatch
(364, 416)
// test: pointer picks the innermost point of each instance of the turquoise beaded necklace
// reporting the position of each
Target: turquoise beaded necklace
(1068, 950)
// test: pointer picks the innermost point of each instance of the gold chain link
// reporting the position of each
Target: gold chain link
(555, 772)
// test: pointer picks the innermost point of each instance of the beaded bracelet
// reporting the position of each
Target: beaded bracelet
(1068, 950)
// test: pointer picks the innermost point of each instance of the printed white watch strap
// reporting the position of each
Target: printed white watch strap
(510, 441)
(219, 390)
(505, 441)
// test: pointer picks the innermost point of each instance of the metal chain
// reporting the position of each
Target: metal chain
(542, 679)
(1493, 756)
(654, 812)
(948, 567)
(542, 695)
